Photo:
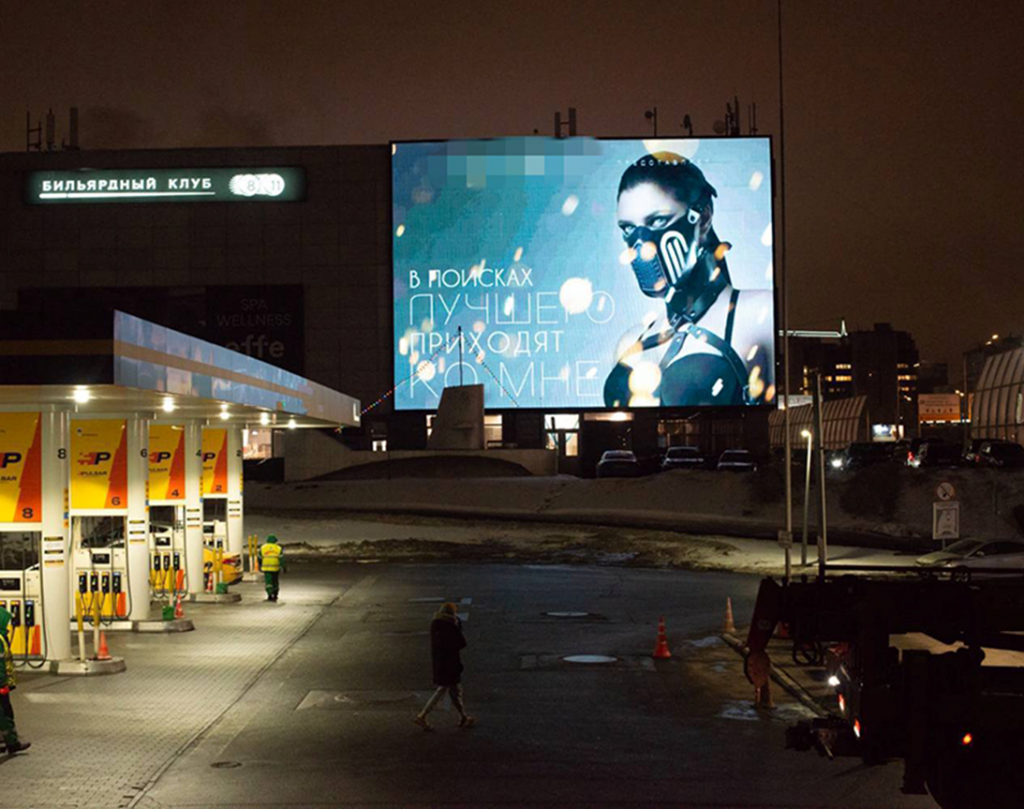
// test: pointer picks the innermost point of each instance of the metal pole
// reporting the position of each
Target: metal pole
(965, 408)
(807, 502)
(822, 503)
(460, 356)
(785, 307)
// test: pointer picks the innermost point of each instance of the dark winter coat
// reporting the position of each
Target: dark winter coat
(446, 639)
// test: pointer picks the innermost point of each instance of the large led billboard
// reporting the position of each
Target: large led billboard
(583, 273)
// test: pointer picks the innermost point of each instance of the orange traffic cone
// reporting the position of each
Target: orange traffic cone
(104, 650)
(36, 648)
(178, 611)
(729, 625)
(661, 651)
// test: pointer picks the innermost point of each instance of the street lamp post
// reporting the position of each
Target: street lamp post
(807, 497)
(819, 430)
(788, 439)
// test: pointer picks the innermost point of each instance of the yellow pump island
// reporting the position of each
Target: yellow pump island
(121, 476)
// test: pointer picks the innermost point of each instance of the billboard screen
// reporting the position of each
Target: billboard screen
(583, 273)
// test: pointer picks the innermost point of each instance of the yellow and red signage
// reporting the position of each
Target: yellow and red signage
(215, 462)
(21, 485)
(167, 462)
(99, 465)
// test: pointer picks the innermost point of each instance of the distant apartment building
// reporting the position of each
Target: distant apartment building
(881, 364)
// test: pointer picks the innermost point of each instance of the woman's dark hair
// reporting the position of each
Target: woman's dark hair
(675, 174)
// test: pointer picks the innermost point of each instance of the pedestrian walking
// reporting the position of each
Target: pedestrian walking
(446, 643)
(7, 684)
(271, 563)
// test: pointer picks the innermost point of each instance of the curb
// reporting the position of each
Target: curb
(782, 678)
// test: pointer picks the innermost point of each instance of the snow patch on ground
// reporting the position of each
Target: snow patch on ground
(381, 537)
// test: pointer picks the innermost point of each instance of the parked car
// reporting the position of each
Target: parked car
(1001, 455)
(973, 449)
(866, 453)
(937, 453)
(736, 460)
(970, 553)
(683, 458)
(908, 452)
(618, 463)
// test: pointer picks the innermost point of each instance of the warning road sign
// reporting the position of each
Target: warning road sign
(946, 520)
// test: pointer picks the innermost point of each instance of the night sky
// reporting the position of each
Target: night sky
(903, 163)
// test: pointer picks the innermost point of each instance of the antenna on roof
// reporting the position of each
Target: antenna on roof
(51, 130)
(37, 130)
(571, 123)
(72, 144)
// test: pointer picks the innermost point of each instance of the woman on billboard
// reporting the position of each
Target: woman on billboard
(714, 344)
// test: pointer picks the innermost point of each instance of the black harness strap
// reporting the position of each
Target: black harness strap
(731, 319)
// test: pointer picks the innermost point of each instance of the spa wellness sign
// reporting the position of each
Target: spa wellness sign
(165, 185)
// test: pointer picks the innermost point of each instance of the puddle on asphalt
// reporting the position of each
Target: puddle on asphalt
(704, 643)
(590, 659)
(350, 699)
(744, 711)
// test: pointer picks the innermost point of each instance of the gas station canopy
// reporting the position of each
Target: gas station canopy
(117, 363)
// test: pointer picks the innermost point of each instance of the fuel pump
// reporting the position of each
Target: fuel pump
(215, 537)
(21, 594)
(168, 574)
(101, 565)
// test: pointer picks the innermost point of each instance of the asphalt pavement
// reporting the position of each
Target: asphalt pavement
(309, 702)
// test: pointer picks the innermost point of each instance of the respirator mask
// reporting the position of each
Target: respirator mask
(665, 258)
(670, 264)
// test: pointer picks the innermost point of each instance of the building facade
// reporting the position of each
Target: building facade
(302, 280)
(998, 408)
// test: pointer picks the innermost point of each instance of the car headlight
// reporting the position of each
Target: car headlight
(837, 463)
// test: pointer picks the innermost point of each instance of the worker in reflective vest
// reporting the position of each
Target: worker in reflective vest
(271, 558)
(7, 731)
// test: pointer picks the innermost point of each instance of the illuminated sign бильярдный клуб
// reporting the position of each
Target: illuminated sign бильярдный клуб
(270, 184)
